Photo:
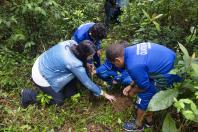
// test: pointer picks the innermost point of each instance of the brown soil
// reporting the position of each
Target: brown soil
(91, 127)
(122, 103)
(4, 101)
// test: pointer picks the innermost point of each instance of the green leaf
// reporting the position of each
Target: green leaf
(25, 127)
(13, 19)
(173, 71)
(157, 25)
(188, 108)
(24, 9)
(195, 68)
(163, 100)
(193, 30)
(17, 37)
(179, 105)
(188, 114)
(40, 10)
(119, 121)
(1, 21)
(186, 56)
(169, 124)
(190, 38)
(194, 108)
(146, 14)
(192, 105)
(29, 6)
(29, 44)
(158, 16)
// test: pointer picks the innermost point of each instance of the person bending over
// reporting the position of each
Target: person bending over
(148, 64)
(56, 71)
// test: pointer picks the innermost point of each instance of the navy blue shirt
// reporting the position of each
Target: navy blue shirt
(148, 58)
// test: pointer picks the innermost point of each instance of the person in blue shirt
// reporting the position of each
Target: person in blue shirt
(112, 74)
(94, 32)
(56, 70)
(148, 64)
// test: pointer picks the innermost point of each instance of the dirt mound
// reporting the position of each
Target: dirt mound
(91, 127)
(122, 103)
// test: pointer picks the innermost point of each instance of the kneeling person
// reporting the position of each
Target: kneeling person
(56, 70)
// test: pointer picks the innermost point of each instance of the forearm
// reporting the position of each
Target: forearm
(82, 76)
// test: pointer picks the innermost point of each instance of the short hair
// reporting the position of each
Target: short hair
(116, 50)
(98, 31)
(123, 42)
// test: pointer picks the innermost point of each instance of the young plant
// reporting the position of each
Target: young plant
(43, 98)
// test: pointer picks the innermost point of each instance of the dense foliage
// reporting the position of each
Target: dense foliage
(28, 27)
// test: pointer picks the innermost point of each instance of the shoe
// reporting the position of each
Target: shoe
(28, 96)
(131, 127)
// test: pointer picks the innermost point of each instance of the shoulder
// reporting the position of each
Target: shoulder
(85, 26)
(68, 43)
(71, 61)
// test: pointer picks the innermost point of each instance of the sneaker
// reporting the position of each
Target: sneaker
(28, 96)
(131, 127)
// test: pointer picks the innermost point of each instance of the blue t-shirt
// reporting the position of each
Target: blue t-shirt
(148, 58)
(82, 33)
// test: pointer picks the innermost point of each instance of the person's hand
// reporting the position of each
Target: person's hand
(90, 67)
(114, 82)
(98, 52)
(111, 98)
(93, 72)
(127, 90)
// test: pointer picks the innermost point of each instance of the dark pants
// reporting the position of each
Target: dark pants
(111, 13)
(58, 97)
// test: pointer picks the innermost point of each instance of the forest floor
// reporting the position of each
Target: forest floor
(85, 113)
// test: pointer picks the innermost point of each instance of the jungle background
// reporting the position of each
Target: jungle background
(29, 27)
